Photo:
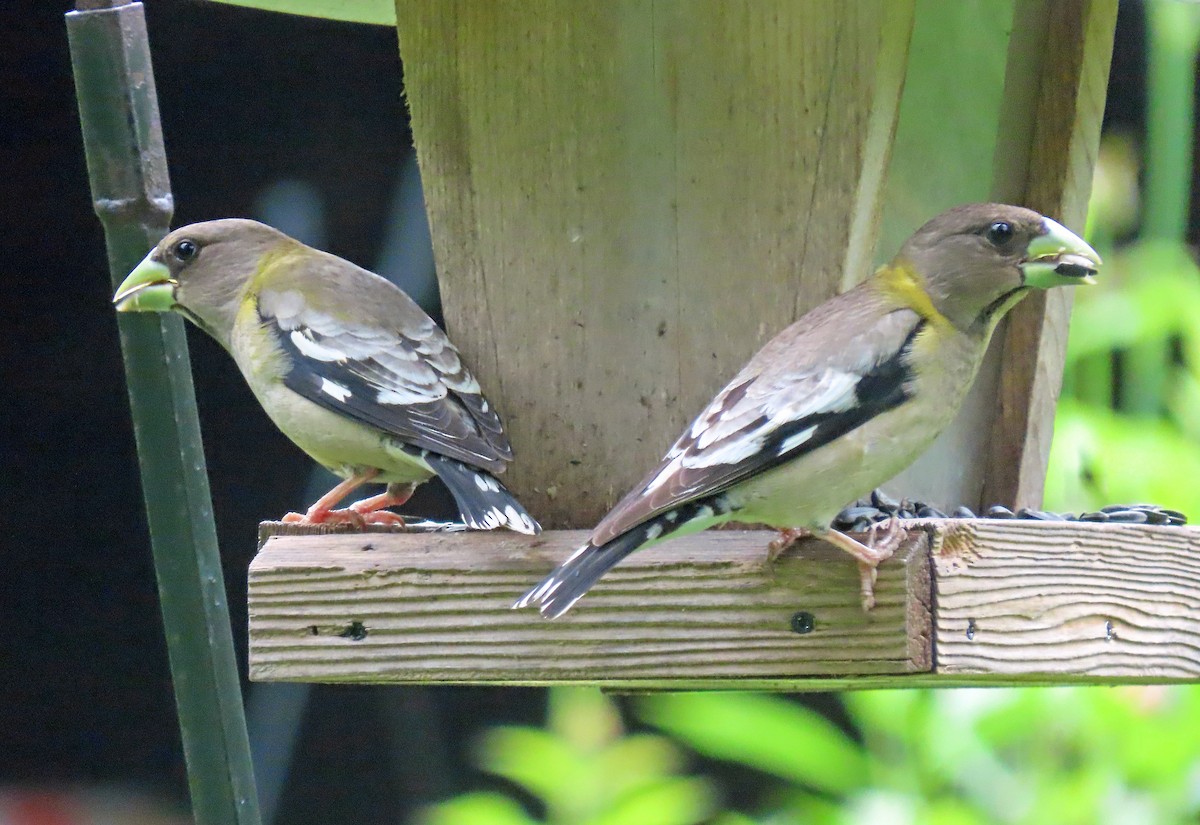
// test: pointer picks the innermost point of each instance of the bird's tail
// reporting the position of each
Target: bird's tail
(573, 578)
(482, 501)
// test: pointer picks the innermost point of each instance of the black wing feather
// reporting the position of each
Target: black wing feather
(882, 387)
(452, 422)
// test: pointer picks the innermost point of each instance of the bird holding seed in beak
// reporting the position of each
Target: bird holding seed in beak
(841, 400)
(344, 363)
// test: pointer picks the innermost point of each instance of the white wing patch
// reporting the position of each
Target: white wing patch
(334, 389)
(404, 396)
(795, 440)
(486, 483)
(729, 435)
(402, 372)
(311, 349)
(404, 377)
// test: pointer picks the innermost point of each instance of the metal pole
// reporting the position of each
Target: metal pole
(127, 166)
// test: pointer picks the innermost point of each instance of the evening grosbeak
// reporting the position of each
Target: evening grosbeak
(344, 363)
(841, 400)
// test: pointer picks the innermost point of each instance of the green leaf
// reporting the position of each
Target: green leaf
(585, 717)
(1098, 457)
(636, 760)
(675, 801)
(376, 12)
(764, 732)
(476, 809)
(1148, 291)
(538, 761)
(881, 711)
(733, 818)
(951, 812)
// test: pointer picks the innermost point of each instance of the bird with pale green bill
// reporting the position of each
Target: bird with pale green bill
(348, 366)
(840, 401)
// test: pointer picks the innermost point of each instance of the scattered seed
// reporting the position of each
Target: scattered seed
(1128, 516)
(855, 513)
(878, 507)
(881, 500)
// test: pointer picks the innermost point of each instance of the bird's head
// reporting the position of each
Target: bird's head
(201, 271)
(975, 262)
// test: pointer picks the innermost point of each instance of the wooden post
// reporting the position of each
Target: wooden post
(1034, 73)
(981, 601)
(1064, 91)
(627, 199)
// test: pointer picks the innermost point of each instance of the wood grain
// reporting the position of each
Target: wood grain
(627, 199)
(966, 602)
(1070, 599)
(1058, 74)
(391, 607)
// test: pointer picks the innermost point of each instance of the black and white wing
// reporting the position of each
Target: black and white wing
(390, 367)
(779, 407)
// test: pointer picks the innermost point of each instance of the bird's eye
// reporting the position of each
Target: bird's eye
(185, 250)
(999, 233)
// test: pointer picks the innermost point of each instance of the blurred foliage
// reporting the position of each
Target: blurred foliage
(1061, 756)
(957, 757)
(584, 770)
(1128, 426)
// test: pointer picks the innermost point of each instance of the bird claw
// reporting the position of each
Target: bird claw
(869, 555)
(787, 537)
(881, 548)
(893, 536)
(383, 517)
(867, 574)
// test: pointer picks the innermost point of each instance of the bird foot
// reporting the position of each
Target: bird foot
(893, 536)
(881, 548)
(787, 537)
(374, 510)
(383, 517)
(867, 574)
(346, 516)
(869, 556)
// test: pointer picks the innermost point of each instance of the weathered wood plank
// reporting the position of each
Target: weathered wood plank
(628, 198)
(1004, 602)
(1058, 76)
(1067, 598)
(395, 607)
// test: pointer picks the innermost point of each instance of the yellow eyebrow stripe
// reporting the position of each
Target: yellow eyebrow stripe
(903, 283)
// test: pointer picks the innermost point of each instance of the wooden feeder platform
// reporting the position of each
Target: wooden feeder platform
(980, 601)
